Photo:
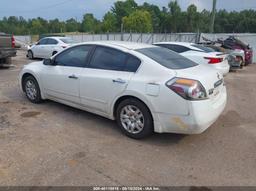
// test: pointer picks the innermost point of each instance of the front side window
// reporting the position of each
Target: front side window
(108, 59)
(167, 58)
(73, 57)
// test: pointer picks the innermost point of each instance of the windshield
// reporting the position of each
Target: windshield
(167, 58)
(67, 40)
(203, 48)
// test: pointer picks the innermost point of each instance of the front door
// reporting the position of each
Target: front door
(61, 80)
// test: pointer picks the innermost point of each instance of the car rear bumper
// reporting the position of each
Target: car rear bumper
(223, 68)
(5, 53)
(201, 116)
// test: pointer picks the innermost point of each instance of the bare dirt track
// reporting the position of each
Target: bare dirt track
(52, 144)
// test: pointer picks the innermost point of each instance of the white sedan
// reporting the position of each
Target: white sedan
(144, 88)
(199, 54)
(47, 47)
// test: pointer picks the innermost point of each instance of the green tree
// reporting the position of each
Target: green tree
(175, 12)
(72, 25)
(155, 13)
(138, 21)
(109, 22)
(192, 18)
(89, 23)
(123, 9)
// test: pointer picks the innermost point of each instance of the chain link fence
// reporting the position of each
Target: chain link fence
(150, 38)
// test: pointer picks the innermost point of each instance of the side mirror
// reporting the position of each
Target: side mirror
(48, 62)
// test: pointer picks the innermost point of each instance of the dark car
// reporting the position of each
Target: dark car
(234, 43)
(7, 49)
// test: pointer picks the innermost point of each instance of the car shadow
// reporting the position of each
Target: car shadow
(165, 139)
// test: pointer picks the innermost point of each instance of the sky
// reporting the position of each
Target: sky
(65, 9)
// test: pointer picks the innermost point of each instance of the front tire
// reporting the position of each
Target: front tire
(32, 89)
(134, 119)
(55, 52)
(30, 55)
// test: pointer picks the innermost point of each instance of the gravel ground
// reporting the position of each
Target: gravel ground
(52, 144)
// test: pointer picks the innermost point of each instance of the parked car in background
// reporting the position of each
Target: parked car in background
(199, 54)
(234, 43)
(236, 58)
(145, 88)
(7, 49)
(47, 47)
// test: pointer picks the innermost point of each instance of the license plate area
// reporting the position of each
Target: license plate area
(216, 90)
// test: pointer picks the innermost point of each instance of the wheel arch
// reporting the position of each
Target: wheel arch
(25, 75)
(124, 97)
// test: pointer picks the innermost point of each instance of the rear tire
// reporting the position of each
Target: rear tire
(30, 55)
(32, 90)
(134, 119)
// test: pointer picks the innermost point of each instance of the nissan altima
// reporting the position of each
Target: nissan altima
(145, 88)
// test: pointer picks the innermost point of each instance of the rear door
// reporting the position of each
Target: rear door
(38, 49)
(49, 47)
(107, 76)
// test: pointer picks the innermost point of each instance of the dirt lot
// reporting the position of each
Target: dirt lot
(52, 144)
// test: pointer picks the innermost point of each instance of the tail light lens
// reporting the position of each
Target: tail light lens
(13, 42)
(238, 59)
(213, 60)
(187, 88)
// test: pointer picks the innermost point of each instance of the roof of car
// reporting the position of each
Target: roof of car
(121, 44)
(55, 37)
(178, 43)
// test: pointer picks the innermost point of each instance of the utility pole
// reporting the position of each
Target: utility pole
(213, 16)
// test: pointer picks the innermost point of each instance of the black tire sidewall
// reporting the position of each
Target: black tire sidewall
(54, 52)
(148, 126)
(38, 96)
(32, 55)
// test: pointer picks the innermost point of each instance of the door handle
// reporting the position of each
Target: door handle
(73, 77)
(119, 81)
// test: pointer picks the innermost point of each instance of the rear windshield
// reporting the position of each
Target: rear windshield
(203, 48)
(67, 40)
(167, 58)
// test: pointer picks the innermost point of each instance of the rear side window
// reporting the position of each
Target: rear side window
(52, 41)
(175, 48)
(167, 58)
(108, 59)
(67, 40)
(43, 41)
(132, 64)
(203, 48)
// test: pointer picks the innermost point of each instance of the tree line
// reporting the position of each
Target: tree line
(128, 16)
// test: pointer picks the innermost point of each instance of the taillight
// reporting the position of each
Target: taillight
(13, 42)
(213, 60)
(187, 88)
(238, 59)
